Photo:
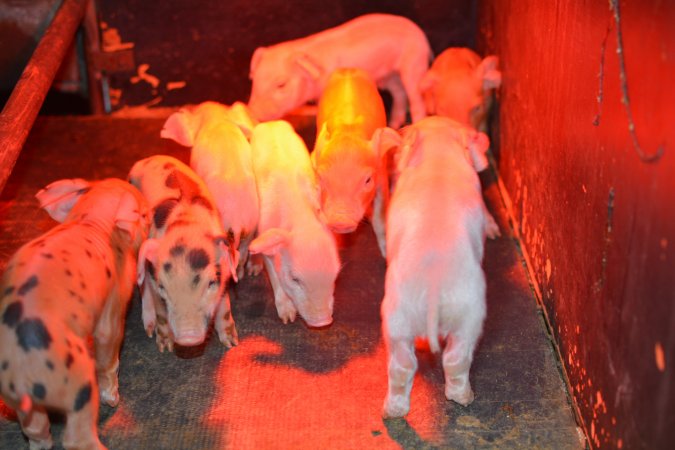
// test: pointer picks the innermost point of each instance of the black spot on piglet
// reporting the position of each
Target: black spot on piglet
(28, 285)
(177, 250)
(202, 201)
(8, 290)
(150, 268)
(32, 333)
(198, 258)
(12, 314)
(39, 391)
(83, 397)
(162, 212)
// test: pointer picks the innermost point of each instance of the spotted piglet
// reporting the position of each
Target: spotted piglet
(184, 266)
(63, 292)
(434, 285)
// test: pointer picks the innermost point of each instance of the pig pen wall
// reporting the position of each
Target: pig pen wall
(585, 154)
(22, 24)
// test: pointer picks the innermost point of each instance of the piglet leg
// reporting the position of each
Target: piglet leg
(148, 312)
(227, 331)
(457, 357)
(378, 217)
(491, 227)
(284, 304)
(35, 425)
(108, 339)
(80, 432)
(411, 75)
(163, 332)
(399, 100)
(402, 367)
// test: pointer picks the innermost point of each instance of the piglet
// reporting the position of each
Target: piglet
(434, 284)
(300, 252)
(350, 151)
(392, 49)
(184, 266)
(63, 292)
(221, 156)
(459, 85)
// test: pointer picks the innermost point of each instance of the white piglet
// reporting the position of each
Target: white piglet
(300, 252)
(393, 50)
(434, 285)
(221, 156)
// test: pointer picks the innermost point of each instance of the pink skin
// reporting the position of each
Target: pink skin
(391, 49)
(434, 285)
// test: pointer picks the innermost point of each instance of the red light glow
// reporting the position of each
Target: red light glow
(341, 409)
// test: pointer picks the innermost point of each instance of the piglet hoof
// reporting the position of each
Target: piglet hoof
(254, 266)
(464, 396)
(150, 329)
(229, 338)
(164, 343)
(287, 315)
(395, 406)
(491, 227)
(110, 397)
(45, 444)
(286, 310)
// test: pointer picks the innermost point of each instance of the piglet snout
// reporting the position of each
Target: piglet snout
(340, 223)
(188, 338)
(319, 323)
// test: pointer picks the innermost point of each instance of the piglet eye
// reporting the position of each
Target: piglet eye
(295, 279)
(213, 284)
(281, 85)
(369, 180)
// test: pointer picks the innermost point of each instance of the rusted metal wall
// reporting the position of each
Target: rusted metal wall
(192, 51)
(22, 24)
(586, 153)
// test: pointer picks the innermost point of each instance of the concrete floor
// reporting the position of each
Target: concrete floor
(286, 386)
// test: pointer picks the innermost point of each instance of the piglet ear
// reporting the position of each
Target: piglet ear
(384, 140)
(59, 197)
(410, 153)
(426, 88)
(309, 65)
(270, 242)
(129, 216)
(428, 81)
(241, 116)
(227, 250)
(478, 144)
(322, 138)
(147, 254)
(255, 60)
(488, 72)
(181, 127)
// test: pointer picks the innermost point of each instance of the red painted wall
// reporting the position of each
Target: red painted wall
(595, 219)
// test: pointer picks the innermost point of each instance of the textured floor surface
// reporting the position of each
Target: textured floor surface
(286, 386)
